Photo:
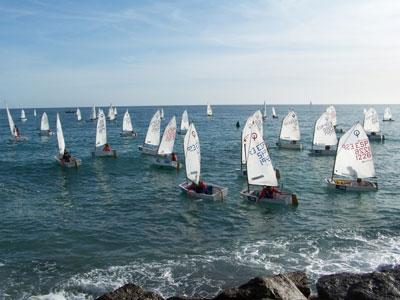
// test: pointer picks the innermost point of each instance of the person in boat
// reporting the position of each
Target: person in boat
(174, 157)
(373, 133)
(237, 124)
(268, 192)
(293, 142)
(200, 188)
(66, 156)
(327, 147)
(106, 148)
(16, 131)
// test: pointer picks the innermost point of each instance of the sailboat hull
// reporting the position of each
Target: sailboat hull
(388, 120)
(378, 137)
(147, 150)
(216, 192)
(181, 132)
(351, 185)
(101, 153)
(45, 133)
(74, 163)
(322, 152)
(167, 163)
(290, 145)
(274, 117)
(282, 198)
(128, 133)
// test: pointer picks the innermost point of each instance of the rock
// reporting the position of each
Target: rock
(300, 279)
(186, 298)
(274, 287)
(368, 286)
(130, 292)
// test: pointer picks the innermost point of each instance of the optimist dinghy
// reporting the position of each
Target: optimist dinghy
(152, 140)
(44, 125)
(15, 133)
(331, 111)
(34, 113)
(78, 114)
(265, 112)
(162, 114)
(387, 116)
(209, 110)
(23, 116)
(127, 129)
(166, 157)
(371, 125)
(93, 115)
(324, 138)
(354, 168)
(261, 173)
(194, 187)
(274, 115)
(111, 113)
(184, 123)
(63, 157)
(290, 133)
(102, 148)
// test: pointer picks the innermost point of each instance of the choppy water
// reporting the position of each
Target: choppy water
(78, 234)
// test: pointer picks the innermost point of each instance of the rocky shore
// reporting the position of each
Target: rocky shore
(382, 284)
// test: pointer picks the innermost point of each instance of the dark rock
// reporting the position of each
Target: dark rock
(130, 292)
(335, 286)
(300, 279)
(186, 298)
(274, 287)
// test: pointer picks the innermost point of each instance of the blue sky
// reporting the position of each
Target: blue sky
(68, 53)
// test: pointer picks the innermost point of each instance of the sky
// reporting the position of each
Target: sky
(79, 53)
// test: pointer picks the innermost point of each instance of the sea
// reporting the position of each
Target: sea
(76, 234)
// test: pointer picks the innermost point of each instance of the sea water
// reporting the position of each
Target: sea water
(79, 233)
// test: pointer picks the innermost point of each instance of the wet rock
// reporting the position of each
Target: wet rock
(300, 280)
(263, 288)
(130, 292)
(186, 298)
(335, 286)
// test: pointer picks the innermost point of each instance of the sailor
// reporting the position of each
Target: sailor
(66, 156)
(106, 148)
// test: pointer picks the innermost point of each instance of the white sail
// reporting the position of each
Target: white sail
(260, 170)
(11, 123)
(162, 114)
(290, 129)
(191, 146)
(185, 121)
(34, 112)
(371, 121)
(332, 114)
(93, 115)
(365, 111)
(168, 139)
(209, 110)
(78, 114)
(110, 111)
(115, 110)
(111, 114)
(324, 132)
(44, 123)
(101, 131)
(265, 111)
(127, 123)
(354, 155)
(60, 136)
(387, 116)
(258, 120)
(273, 112)
(23, 116)
(246, 137)
(153, 132)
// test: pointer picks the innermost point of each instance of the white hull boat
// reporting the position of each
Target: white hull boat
(45, 133)
(351, 185)
(322, 152)
(148, 150)
(278, 198)
(214, 192)
(73, 163)
(128, 133)
(167, 163)
(291, 145)
(102, 153)
(377, 137)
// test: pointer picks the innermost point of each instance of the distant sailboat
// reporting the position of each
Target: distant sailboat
(387, 116)
(290, 133)
(194, 187)
(115, 111)
(34, 113)
(93, 115)
(78, 114)
(102, 148)
(371, 125)
(162, 114)
(127, 129)
(166, 156)
(111, 114)
(274, 115)
(265, 111)
(44, 125)
(23, 116)
(64, 158)
(354, 168)
(324, 138)
(331, 111)
(184, 123)
(261, 173)
(209, 110)
(152, 140)
(15, 133)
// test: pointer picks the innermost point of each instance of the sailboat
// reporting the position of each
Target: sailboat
(193, 186)
(265, 112)
(127, 129)
(324, 138)
(331, 111)
(111, 114)
(34, 113)
(354, 168)
(23, 116)
(371, 125)
(93, 115)
(274, 115)
(387, 116)
(15, 133)
(209, 110)
(63, 157)
(152, 140)
(166, 157)
(261, 173)
(162, 114)
(290, 133)
(115, 111)
(102, 148)
(44, 125)
(78, 114)
(184, 123)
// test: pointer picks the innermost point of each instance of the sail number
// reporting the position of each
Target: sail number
(261, 151)
(194, 147)
(361, 149)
